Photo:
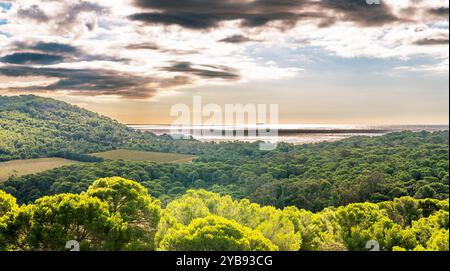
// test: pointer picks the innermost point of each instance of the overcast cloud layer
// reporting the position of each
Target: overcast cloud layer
(137, 49)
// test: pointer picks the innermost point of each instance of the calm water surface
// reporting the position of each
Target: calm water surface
(296, 134)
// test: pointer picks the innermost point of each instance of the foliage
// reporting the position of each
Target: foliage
(118, 214)
(54, 220)
(32, 127)
(131, 201)
(8, 206)
(269, 221)
(7, 203)
(214, 233)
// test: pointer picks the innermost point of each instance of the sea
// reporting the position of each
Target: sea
(290, 133)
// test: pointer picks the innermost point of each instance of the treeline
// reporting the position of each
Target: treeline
(310, 177)
(77, 157)
(119, 214)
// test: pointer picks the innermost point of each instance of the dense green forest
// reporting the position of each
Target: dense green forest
(118, 214)
(33, 127)
(329, 196)
(311, 177)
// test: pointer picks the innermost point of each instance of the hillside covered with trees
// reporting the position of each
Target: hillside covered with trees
(33, 127)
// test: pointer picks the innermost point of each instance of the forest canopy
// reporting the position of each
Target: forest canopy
(119, 214)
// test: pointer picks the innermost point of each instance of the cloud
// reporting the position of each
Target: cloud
(34, 13)
(98, 50)
(47, 53)
(205, 71)
(359, 12)
(32, 58)
(188, 20)
(54, 47)
(206, 14)
(60, 16)
(45, 47)
(143, 46)
(431, 41)
(155, 47)
(93, 82)
(73, 12)
(236, 39)
(441, 12)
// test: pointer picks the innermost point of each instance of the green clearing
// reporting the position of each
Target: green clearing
(145, 156)
(30, 166)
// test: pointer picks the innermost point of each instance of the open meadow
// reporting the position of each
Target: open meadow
(30, 166)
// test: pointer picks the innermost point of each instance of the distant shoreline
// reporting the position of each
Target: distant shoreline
(301, 134)
(305, 129)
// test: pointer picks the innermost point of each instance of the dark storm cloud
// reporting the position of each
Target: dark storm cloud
(93, 82)
(236, 39)
(47, 47)
(440, 12)
(435, 41)
(203, 21)
(205, 71)
(75, 79)
(205, 14)
(54, 47)
(32, 58)
(45, 53)
(188, 20)
(359, 12)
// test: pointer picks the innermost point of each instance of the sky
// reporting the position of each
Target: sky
(321, 61)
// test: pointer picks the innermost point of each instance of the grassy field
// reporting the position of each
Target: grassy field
(145, 156)
(30, 166)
